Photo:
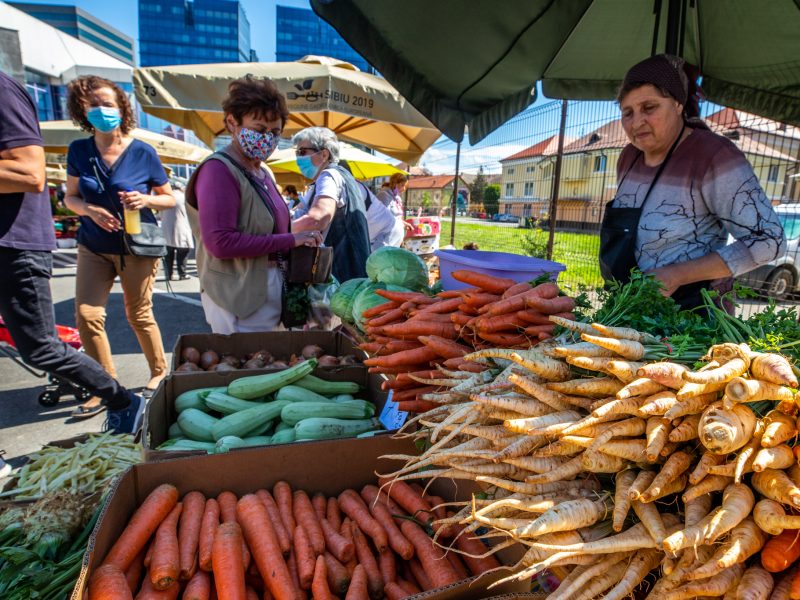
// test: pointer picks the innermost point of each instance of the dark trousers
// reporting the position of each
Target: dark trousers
(175, 255)
(26, 305)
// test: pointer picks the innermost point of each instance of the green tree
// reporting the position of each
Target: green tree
(477, 188)
(491, 199)
(426, 201)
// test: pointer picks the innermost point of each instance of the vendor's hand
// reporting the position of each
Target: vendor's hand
(133, 200)
(104, 219)
(408, 226)
(669, 277)
(307, 238)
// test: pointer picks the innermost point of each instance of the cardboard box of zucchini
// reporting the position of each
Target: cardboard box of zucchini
(219, 411)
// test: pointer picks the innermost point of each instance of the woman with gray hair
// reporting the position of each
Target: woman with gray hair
(335, 202)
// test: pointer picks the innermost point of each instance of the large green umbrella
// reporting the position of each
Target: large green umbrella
(475, 63)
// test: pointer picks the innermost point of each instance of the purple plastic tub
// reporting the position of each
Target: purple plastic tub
(499, 264)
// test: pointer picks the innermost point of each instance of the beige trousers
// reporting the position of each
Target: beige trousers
(96, 274)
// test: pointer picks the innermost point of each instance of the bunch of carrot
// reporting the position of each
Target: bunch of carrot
(411, 334)
(284, 544)
(608, 468)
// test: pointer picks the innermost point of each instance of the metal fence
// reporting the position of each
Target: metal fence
(520, 158)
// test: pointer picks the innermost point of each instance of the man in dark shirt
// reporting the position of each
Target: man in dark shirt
(27, 239)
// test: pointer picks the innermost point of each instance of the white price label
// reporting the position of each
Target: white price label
(392, 418)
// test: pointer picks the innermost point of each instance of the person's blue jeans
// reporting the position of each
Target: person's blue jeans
(26, 306)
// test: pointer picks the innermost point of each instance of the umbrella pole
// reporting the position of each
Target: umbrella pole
(453, 200)
(556, 180)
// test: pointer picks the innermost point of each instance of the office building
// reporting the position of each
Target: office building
(84, 26)
(183, 32)
(301, 32)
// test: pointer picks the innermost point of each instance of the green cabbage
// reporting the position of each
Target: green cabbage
(367, 298)
(398, 266)
(342, 299)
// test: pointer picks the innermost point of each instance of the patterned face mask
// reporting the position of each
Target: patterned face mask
(257, 145)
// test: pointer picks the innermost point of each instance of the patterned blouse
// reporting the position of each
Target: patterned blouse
(707, 191)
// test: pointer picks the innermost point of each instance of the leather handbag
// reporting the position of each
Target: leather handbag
(309, 265)
(149, 243)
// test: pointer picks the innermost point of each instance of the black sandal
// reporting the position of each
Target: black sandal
(84, 412)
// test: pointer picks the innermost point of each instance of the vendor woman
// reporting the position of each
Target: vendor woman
(681, 190)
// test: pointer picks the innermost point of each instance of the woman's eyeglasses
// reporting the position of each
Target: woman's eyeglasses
(305, 151)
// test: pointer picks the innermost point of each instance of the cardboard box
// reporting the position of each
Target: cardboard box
(328, 467)
(282, 344)
(160, 412)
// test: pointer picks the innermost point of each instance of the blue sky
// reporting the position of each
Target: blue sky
(124, 15)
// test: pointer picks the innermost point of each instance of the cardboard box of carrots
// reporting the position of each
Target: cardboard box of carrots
(285, 522)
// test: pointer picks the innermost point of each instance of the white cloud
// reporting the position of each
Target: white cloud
(441, 158)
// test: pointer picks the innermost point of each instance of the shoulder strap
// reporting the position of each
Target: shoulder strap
(251, 180)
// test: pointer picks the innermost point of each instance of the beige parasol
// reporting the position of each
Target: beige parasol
(359, 107)
(57, 136)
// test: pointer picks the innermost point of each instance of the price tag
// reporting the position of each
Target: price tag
(392, 418)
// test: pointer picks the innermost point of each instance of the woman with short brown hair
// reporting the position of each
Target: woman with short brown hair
(110, 173)
(238, 216)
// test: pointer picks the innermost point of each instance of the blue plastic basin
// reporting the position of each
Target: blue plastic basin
(499, 264)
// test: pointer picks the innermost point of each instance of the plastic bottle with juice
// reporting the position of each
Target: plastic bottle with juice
(133, 220)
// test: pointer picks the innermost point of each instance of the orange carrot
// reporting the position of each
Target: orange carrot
(445, 294)
(208, 528)
(416, 406)
(305, 516)
(148, 592)
(367, 560)
(460, 364)
(346, 531)
(551, 306)
(277, 522)
(353, 506)
(282, 492)
(517, 288)
(320, 505)
(165, 561)
(250, 593)
(370, 347)
(410, 330)
(148, 555)
(518, 302)
(431, 317)
(479, 298)
(144, 522)
(397, 370)
(442, 306)
(371, 494)
(409, 500)
(444, 347)
(199, 587)
(781, 551)
(460, 319)
(263, 543)
(440, 512)
(419, 574)
(388, 317)
(472, 547)
(534, 317)
(417, 297)
(227, 561)
(494, 285)
(387, 565)
(409, 586)
(227, 508)
(358, 585)
(398, 346)
(337, 545)
(194, 504)
(431, 557)
(333, 514)
(304, 557)
(509, 322)
(413, 393)
(291, 565)
(457, 564)
(134, 573)
(108, 583)
(393, 591)
(505, 340)
(397, 540)
(535, 330)
(338, 577)
(407, 357)
(379, 309)
(319, 586)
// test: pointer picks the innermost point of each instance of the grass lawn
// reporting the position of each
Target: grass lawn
(578, 251)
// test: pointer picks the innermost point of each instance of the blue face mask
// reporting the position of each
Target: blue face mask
(103, 118)
(307, 167)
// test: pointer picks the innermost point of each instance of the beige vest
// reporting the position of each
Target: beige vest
(238, 285)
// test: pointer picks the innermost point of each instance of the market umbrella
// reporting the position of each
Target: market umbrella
(362, 164)
(483, 71)
(359, 107)
(57, 136)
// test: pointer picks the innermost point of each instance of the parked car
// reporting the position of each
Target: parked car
(780, 278)
(507, 218)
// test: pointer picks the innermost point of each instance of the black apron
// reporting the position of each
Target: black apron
(618, 233)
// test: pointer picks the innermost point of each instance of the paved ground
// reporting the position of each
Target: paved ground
(24, 424)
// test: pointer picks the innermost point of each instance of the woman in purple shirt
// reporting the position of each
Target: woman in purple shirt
(239, 218)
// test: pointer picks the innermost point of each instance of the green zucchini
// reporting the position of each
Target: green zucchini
(294, 393)
(327, 388)
(175, 431)
(257, 386)
(184, 445)
(343, 398)
(281, 426)
(284, 436)
(244, 422)
(197, 425)
(321, 428)
(355, 409)
(227, 405)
